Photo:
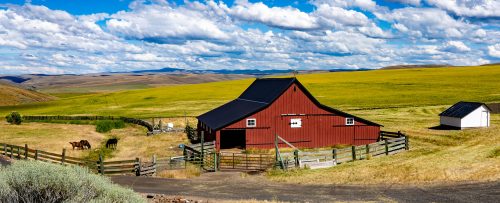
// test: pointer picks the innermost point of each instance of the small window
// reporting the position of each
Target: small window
(251, 122)
(296, 123)
(349, 121)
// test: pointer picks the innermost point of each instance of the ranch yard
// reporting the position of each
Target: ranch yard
(435, 156)
(408, 100)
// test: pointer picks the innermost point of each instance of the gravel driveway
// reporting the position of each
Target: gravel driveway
(233, 186)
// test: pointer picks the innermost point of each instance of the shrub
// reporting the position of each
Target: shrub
(107, 125)
(33, 181)
(191, 134)
(14, 118)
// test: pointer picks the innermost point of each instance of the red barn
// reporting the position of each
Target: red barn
(284, 107)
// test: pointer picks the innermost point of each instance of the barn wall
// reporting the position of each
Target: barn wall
(319, 127)
(450, 121)
(474, 119)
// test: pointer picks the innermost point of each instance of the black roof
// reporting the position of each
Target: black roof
(462, 109)
(260, 94)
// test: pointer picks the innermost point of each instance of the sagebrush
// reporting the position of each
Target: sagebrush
(33, 181)
(14, 118)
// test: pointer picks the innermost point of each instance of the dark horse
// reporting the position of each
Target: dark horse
(76, 145)
(85, 144)
(111, 143)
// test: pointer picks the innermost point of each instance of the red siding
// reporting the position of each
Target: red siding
(320, 128)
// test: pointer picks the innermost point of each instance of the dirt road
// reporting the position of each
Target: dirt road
(233, 186)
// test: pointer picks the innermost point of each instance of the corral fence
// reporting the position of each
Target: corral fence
(329, 158)
(153, 127)
(495, 107)
(131, 167)
(245, 162)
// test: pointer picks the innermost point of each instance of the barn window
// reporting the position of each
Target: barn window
(251, 122)
(296, 123)
(349, 121)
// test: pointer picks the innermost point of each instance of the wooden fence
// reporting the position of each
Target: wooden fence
(100, 166)
(328, 158)
(245, 162)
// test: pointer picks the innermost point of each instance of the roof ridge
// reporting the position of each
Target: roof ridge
(251, 100)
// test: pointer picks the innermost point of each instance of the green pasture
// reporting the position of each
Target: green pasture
(343, 90)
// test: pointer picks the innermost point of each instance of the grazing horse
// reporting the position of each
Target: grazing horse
(111, 143)
(78, 145)
(85, 144)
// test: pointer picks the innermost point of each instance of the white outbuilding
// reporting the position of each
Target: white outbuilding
(466, 115)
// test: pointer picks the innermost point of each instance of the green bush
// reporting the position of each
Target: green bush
(33, 181)
(108, 125)
(191, 133)
(14, 118)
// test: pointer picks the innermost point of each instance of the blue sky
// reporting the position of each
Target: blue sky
(89, 36)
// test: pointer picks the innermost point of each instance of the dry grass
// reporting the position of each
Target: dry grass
(436, 156)
(49, 137)
(133, 142)
(191, 171)
(52, 137)
(249, 201)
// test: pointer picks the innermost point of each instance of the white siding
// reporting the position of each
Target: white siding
(450, 121)
(475, 119)
(478, 118)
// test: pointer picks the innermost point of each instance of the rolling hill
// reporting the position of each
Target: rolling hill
(344, 90)
(11, 95)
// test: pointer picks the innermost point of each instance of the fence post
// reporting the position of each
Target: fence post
(386, 147)
(296, 157)
(407, 147)
(353, 148)
(154, 163)
(215, 162)
(367, 151)
(246, 160)
(4, 149)
(63, 156)
(11, 151)
(25, 151)
(334, 152)
(139, 167)
(399, 134)
(18, 152)
(202, 147)
(101, 164)
(36, 154)
(260, 161)
(233, 160)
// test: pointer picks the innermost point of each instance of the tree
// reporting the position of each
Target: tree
(14, 118)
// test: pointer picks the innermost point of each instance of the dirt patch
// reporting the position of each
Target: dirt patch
(233, 186)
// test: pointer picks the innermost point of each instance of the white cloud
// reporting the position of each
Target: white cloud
(469, 8)
(426, 22)
(161, 23)
(409, 2)
(455, 46)
(494, 50)
(283, 17)
(369, 5)
(336, 17)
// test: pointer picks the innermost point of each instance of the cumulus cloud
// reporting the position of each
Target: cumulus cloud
(283, 17)
(160, 23)
(469, 8)
(455, 46)
(426, 22)
(494, 50)
(213, 35)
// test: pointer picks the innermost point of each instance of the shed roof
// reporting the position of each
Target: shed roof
(260, 94)
(462, 109)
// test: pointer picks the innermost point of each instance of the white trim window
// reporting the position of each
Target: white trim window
(295, 123)
(349, 121)
(251, 122)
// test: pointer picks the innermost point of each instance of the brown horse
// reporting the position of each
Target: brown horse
(78, 145)
(85, 144)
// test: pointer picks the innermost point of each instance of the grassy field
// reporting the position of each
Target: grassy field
(435, 156)
(10, 95)
(405, 99)
(344, 90)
